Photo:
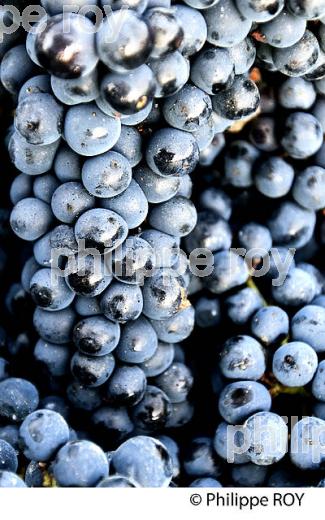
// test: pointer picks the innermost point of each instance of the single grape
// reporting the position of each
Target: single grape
(188, 109)
(274, 177)
(10, 480)
(15, 69)
(308, 325)
(226, 25)
(122, 302)
(176, 381)
(101, 228)
(160, 361)
(31, 218)
(211, 232)
(241, 399)
(92, 371)
(207, 312)
(167, 32)
(67, 164)
(113, 423)
(291, 225)
(54, 359)
(243, 304)
(194, 29)
(88, 275)
(238, 101)
(131, 205)
(297, 93)
(172, 152)
(127, 386)
(155, 187)
(42, 433)
(31, 159)
(295, 363)
(242, 357)
(298, 288)
(88, 131)
(171, 73)
(40, 84)
(129, 144)
(123, 41)
(18, 398)
(176, 216)
(138, 342)
(107, 175)
(229, 271)
(145, 460)
(297, 59)
(260, 10)
(39, 119)
(53, 45)
(129, 93)
(177, 328)
(163, 295)
(74, 91)
(83, 397)
(243, 55)
(96, 336)
(70, 200)
(44, 186)
(55, 327)
(153, 411)
(8, 457)
(270, 325)
(21, 188)
(309, 188)
(307, 9)
(80, 464)
(200, 459)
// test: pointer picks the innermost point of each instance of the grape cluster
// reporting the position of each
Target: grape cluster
(113, 127)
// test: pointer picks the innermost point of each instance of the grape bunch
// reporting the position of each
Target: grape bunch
(162, 131)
